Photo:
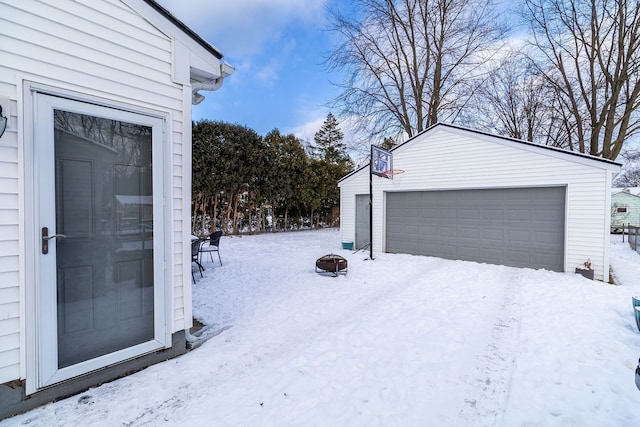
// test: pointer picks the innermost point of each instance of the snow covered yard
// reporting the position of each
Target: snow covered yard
(399, 341)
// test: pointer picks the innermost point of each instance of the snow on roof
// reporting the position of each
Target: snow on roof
(631, 190)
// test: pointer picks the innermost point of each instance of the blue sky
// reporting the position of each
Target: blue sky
(277, 48)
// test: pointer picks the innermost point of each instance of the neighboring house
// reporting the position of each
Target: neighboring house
(625, 209)
(633, 190)
(473, 196)
(95, 185)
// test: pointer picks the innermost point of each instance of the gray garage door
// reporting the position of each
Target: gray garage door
(521, 227)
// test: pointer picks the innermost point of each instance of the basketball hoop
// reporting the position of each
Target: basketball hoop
(389, 173)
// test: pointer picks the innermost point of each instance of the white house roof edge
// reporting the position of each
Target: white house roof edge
(185, 29)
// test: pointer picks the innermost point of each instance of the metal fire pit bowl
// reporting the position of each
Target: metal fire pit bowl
(334, 264)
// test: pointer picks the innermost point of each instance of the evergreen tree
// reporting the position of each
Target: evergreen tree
(330, 164)
(328, 143)
(288, 160)
(229, 164)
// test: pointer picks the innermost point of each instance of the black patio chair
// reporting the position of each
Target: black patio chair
(213, 245)
(195, 250)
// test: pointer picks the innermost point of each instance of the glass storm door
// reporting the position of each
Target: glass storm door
(100, 292)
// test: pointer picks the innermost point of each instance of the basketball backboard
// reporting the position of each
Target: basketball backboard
(381, 161)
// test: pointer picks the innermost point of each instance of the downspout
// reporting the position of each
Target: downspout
(196, 340)
(225, 71)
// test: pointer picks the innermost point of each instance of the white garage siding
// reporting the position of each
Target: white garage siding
(451, 158)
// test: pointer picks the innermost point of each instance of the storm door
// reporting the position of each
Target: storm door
(100, 291)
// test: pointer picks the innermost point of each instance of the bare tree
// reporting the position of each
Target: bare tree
(630, 174)
(514, 100)
(411, 63)
(588, 51)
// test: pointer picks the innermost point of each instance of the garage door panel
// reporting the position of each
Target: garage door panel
(448, 250)
(412, 212)
(544, 258)
(491, 256)
(522, 197)
(519, 257)
(493, 234)
(411, 229)
(548, 215)
(448, 213)
(519, 214)
(470, 213)
(429, 213)
(546, 237)
(522, 237)
(470, 234)
(428, 230)
(469, 253)
(447, 231)
(425, 247)
(521, 227)
(493, 214)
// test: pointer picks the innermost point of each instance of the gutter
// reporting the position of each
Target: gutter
(225, 71)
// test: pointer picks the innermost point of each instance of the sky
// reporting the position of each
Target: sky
(278, 48)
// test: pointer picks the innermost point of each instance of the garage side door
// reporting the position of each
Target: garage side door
(521, 227)
(363, 233)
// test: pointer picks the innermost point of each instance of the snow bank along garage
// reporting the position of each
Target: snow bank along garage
(472, 196)
(95, 187)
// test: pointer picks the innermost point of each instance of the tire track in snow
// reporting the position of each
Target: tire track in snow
(490, 385)
(271, 355)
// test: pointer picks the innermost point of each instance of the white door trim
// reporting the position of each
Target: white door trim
(41, 368)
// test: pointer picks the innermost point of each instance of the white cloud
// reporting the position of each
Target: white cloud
(268, 74)
(245, 27)
(307, 130)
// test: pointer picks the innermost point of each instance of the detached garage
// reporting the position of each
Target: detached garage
(473, 196)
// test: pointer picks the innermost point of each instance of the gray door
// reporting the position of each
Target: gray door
(519, 227)
(100, 289)
(363, 234)
(105, 260)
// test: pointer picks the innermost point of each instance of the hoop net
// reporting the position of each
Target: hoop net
(389, 173)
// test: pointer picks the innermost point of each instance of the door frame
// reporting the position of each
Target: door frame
(38, 370)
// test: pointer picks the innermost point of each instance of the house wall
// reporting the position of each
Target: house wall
(446, 158)
(631, 216)
(101, 49)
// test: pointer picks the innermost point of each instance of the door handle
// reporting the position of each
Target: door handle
(46, 238)
(53, 236)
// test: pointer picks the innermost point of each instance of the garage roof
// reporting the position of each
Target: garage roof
(545, 149)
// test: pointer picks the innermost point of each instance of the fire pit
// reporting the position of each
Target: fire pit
(334, 264)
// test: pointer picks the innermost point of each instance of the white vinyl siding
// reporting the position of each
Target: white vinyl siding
(9, 251)
(104, 50)
(446, 158)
